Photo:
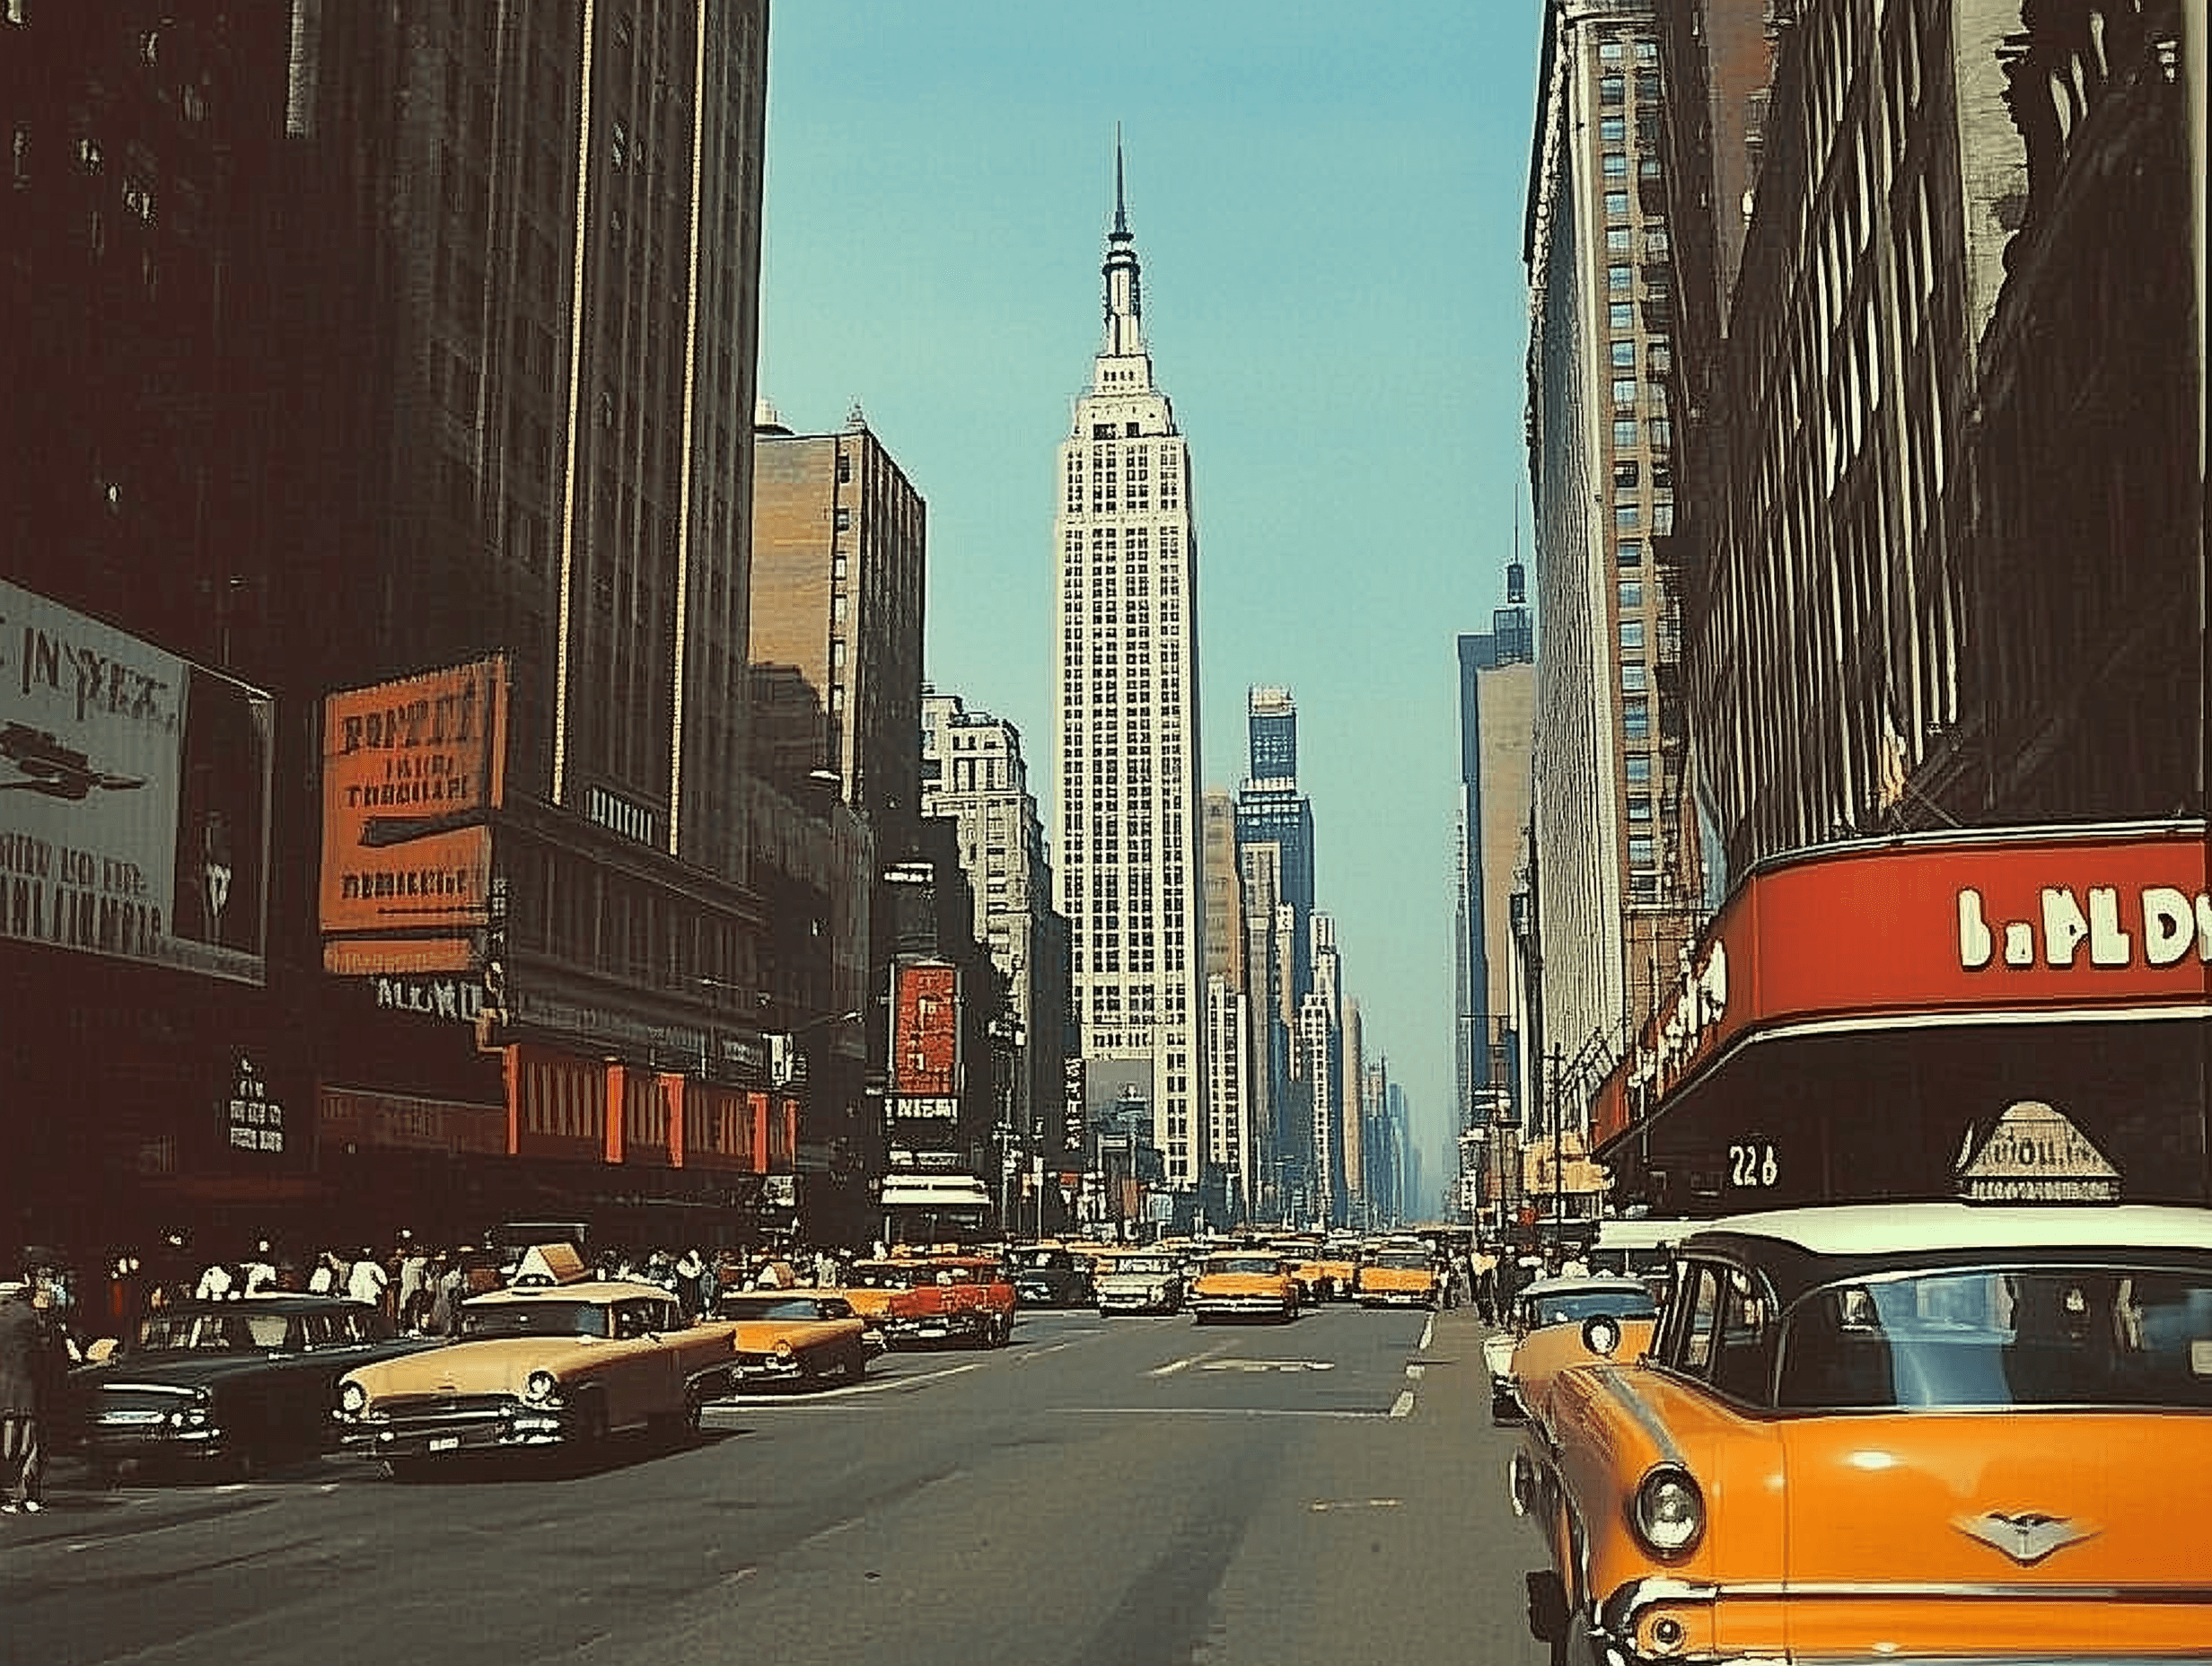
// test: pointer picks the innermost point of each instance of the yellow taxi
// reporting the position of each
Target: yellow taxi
(1543, 1334)
(796, 1337)
(557, 1363)
(1398, 1273)
(1937, 1431)
(1243, 1283)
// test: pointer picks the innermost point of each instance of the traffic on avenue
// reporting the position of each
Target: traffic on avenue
(1099, 1489)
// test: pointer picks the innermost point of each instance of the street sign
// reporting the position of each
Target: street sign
(2035, 1154)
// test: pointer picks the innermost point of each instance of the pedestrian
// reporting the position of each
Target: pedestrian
(260, 1271)
(691, 1284)
(215, 1283)
(368, 1281)
(26, 1369)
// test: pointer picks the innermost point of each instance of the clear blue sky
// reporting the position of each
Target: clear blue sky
(1327, 199)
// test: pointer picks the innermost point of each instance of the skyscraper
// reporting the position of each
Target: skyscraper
(1128, 726)
(1274, 824)
(1497, 689)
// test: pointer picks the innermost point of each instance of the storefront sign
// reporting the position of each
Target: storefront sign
(363, 1117)
(134, 797)
(254, 1121)
(2009, 925)
(455, 1000)
(2035, 1154)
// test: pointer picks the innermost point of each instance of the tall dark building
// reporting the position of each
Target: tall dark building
(428, 335)
(135, 865)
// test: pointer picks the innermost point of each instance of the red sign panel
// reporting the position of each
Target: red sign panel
(2035, 924)
(925, 1043)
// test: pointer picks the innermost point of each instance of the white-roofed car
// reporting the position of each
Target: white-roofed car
(1556, 1304)
(1925, 1431)
(551, 1364)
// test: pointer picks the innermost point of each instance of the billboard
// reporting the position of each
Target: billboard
(134, 797)
(411, 772)
(924, 1040)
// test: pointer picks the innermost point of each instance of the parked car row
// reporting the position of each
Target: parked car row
(562, 1359)
(1935, 1431)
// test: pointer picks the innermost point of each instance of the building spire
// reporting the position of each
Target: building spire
(1125, 304)
(1122, 217)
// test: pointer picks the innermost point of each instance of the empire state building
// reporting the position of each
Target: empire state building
(1128, 725)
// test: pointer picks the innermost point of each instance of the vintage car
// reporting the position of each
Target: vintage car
(1244, 1284)
(918, 1301)
(1399, 1275)
(1142, 1284)
(222, 1388)
(1947, 1432)
(563, 1365)
(1324, 1271)
(1050, 1275)
(1548, 1314)
(803, 1338)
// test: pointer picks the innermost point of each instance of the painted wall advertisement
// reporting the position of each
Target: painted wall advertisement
(134, 797)
(411, 772)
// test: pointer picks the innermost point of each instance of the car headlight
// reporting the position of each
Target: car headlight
(1668, 1511)
(782, 1347)
(353, 1399)
(539, 1386)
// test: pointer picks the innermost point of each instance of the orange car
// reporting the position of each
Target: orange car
(1244, 1284)
(1398, 1275)
(1915, 1430)
(1543, 1334)
(916, 1300)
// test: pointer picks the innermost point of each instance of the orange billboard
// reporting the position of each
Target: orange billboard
(925, 1031)
(411, 772)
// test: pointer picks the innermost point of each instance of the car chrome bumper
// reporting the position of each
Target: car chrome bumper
(434, 1434)
(1632, 1627)
(1230, 1307)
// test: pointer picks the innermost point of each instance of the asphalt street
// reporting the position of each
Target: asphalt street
(1125, 1492)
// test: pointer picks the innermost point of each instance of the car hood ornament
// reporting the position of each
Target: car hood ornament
(2026, 1538)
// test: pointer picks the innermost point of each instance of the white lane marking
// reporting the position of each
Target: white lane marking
(1174, 1365)
(1218, 1411)
(1268, 1364)
(1428, 1333)
(1416, 1372)
(1322, 1505)
(1403, 1405)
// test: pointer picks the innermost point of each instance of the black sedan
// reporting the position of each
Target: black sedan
(1048, 1276)
(224, 1388)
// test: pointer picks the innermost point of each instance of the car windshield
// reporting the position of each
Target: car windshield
(1571, 1306)
(1042, 1261)
(769, 1307)
(534, 1318)
(1244, 1264)
(1412, 1259)
(2015, 1337)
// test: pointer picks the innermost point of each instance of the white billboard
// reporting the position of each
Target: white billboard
(134, 797)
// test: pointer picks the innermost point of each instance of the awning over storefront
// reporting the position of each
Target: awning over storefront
(1856, 1012)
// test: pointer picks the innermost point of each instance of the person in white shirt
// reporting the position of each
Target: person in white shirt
(261, 1271)
(214, 1283)
(367, 1282)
